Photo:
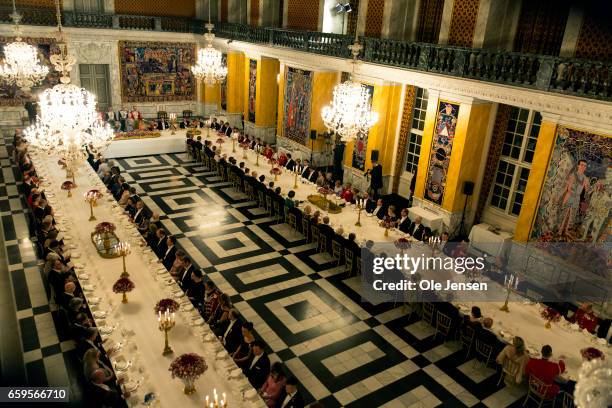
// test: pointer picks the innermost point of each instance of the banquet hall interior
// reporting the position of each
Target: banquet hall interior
(306, 203)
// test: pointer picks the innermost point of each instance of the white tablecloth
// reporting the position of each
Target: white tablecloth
(524, 320)
(429, 218)
(484, 240)
(166, 143)
(136, 323)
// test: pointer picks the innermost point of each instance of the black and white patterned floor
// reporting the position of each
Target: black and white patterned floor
(309, 313)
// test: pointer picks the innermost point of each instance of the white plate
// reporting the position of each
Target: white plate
(131, 386)
(106, 329)
(93, 301)
(88, 288)
(99, 315)
(122, 365)
(83, 276)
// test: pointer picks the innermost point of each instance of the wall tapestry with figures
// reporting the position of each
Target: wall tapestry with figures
(360, 145)
(577, 195)
(156, 71)
(10, 95)
(298, 93)
(441, 148)
(252, 89)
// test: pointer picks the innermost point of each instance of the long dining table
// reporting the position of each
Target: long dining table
(524, 317)
(130, 331)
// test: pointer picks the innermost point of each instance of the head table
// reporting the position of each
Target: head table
(135, 332)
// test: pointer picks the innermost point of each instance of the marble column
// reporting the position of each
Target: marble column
(572, 31)
(401, 19)
(496, 24)
(447, 14)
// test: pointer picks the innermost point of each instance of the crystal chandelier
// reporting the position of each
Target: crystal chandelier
(68, 118)
(350, 112)
(594, 385)
(209, 65)
(21, 64)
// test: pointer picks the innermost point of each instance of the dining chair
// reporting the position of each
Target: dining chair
(428, 313)
(348, 261)
(305, 225)
(509, 368)
(337, 251)
(269, 204)
(292, 221)
(467, 338)
(567, 400)
(358, 265)
(443, 325)
(538, 391)
(485, 351)
(322, 243)
(314, 235)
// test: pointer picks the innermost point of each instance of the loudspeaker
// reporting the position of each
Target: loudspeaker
(313, 134)
(374, 155)
(468, 188)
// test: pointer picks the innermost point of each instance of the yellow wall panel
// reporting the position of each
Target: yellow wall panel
(235, 82)
(323, 85)
(266, 94)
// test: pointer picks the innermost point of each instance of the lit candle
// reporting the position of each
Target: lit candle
(206, 401)
(159, 316)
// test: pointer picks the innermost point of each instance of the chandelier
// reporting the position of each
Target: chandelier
(68, 119)
(21, 64)
(350, 113)
(209, 65)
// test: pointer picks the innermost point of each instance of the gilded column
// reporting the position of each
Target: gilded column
(235, 87)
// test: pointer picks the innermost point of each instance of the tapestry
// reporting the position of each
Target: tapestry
(577, 194)
(252, 89)
(224, 84)
(11, 95)
(156, 72)
(298, 91)
(360, 146)
(441, 147)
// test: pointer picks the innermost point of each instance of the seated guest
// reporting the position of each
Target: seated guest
(232, 336)
(130, 207)
(485, 334)
(124, 196)
(326, 230)
(545, 370)
(289, 201)
(162, 124)
(160, 246)
(76, 305)
(89, 341)
(418, 230)
(64, 298)
(211, 299)
(184, 123)
(170, 254)
(242, 355)
(585, 318)
(306, 170)
(223, 127)
(444, 246)
(460, 250)
(57, 276)
(403, 224)
(347, 193)
(145, 222)
(390, 217)
(214, 124)
(195, 291)
(101, 394)
(178, 266)
(338, 189)
(475, 315)
(268, 152)
(220, 319)
(291, 398)
(140, 212)
(320, 181)
(377, 210)
(185, 278)
(79, 327)
(290, 164)
(92, 362)
(516, 353)
(271, 390)
(258, 369)
(151, 235)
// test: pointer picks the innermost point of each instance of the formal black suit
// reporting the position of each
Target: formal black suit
(376, 181)
(297, 401)
(418, 231)
(102, 396)
(169, 256)
(258, 374)
(162, 125)
(228, 131)
(313, 176)
(404, 226)
(161, 247)
(185, 279)
(290, 164)
(233, 338)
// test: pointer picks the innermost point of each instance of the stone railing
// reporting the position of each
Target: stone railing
(583, 78)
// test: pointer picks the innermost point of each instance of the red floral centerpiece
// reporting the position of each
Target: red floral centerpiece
(220, 140)
(188, 367)
(550, 315)
(402, 243)
(68, 185)
(166, 304)
(123, 285)
(325, 190)
(105, 227)
(93, 195)
(276, 171)
(591, 353)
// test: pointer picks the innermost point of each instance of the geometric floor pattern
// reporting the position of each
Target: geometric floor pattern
(308, 312)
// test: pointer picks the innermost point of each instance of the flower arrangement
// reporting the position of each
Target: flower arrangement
(166, 304)
(95, 193)
(325, 190)
(591, 353)
(402, 243)
(105, 228)
(550, 315)
(245, 145)
(67, 185)
(276, 171)
(123, 285)
(220, 140)
(188, 367)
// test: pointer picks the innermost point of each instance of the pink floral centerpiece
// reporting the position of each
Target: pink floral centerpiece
(188, 367)
(550, 315)
(276, 171)
(123, 285)
(105, 227)
(325, 191)
(68, 185)
(166, 304)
